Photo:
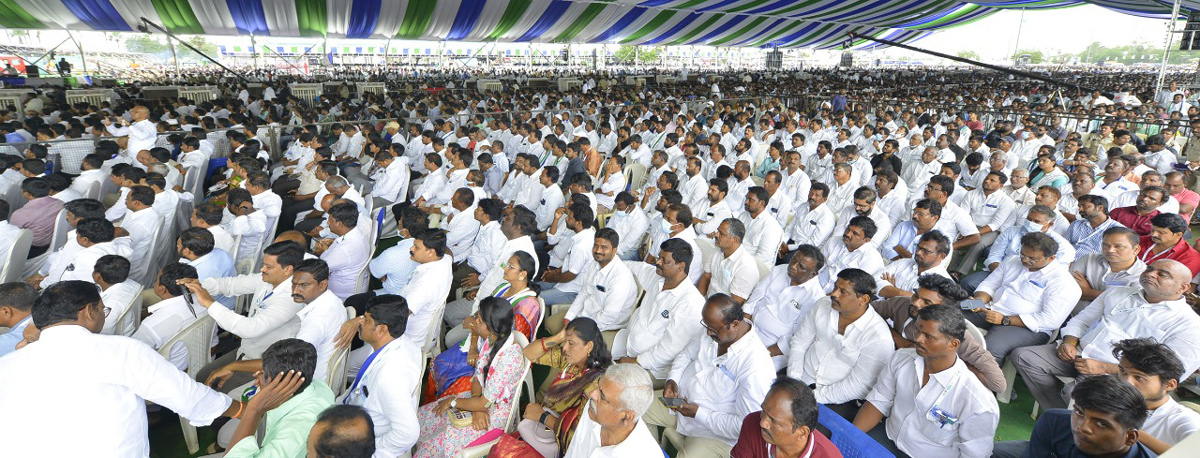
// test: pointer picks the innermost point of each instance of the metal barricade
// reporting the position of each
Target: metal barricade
(198, 94)
(14, 98)
(374, 88)
(308, 93)
(90, 96)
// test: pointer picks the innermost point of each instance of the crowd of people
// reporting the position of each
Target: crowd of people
(709, 265)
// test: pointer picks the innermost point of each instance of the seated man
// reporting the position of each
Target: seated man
(1155, 370)
(1156, 310)
(787, 423)
(57, 261)
(782, 298)
(111, 274)
(197, 248)
(1137, 217)
(320, 320)
(292, 398)
(16, 312)
(342, 431)
(1085, 232)
(609, 292)
(561, 283)
(901, 312)
(1039, 219)
(171, 314)
(630, 222)
(764, 235)
(208, 217)
(841, 344)
(665, 323)
(720, 380)
(1110, 414)
(38, 215)
(1166, 241)
(384, 387)
(613, 424)
(1026, 299)
(935, 407)
(813, 223)
(348, 252)
(852, 249)
(248, 222)
(1117, 265)
(899, 279)
(98, 238)
(272, 314)
(733, 271)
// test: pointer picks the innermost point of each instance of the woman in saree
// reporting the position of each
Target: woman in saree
(493, 393)
(450, 373)
(579, 356)
(1047, 173)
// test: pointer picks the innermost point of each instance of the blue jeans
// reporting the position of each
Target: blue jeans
(552, 295)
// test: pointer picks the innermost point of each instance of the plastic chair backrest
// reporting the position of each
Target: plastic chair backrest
(514, 415)
(14, 264)
(977, 334)
(61, 228)
(707, 249)
(130, 319)
(237, 246)
(336, 376)
(433, 341)
(93, 191)
(848, 439)
(635, 176)
(198, 339)
(763, 269)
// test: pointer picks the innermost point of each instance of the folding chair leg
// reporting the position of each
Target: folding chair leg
(189, 435)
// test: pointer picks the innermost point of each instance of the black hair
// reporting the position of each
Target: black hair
(36, 187)
(805, 409)
(1151, 357)
(1041, 242)
(811, 252)
(413, 219)
(287, 254)
(434, 239)
(172, 273)
(18, 295)
(339, 440)
(345, 213)
(96, 230)
(209, 213)
(318, 268)
(731, 310)
(497, 314)
(609, 234)
(290, 355)
(680, 251)
(948, 317)
(390, 310)
(197, 239)
(112, 268)
(936, 236)
(493, 208)
(142, 194)
(586, 329)
(1111, 395)
(1170, 221)
(934, 207)
(63, 301)
(863, 282)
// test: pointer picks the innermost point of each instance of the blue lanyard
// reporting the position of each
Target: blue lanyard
(363, 370)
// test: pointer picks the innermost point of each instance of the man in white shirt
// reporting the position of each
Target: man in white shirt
(272, 316)
(709, 219)
(171, 314)
(96, 236)
(142, 224)
(608, 292)
(612, 182)
(841, 344)
(782, 298)
(208, 216)
(764, 235)
(1040, 219)
(719, 379)
(665, 323)
(1026, 299)
(248, 222)
(852, 249)
(561, 284)
(141, 132)
(864, 204)
(732, 271)
(935, 407)
(631, 223)
(111, 274)
(613, 423)
(96, 378)
(1155, 370)
(1119, 265)
(427, 290)
(92, 175)
(1156, 309)
(461, 226)
(900, 277)
(385, 387)
(551, 199)
(990, 210)
(349, 252)
(392, 187)
(813, 221)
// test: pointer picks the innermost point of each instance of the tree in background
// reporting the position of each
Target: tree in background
(968, 55)
(144, 43)
(1135, 53)
(1035, 56)
(644, 54)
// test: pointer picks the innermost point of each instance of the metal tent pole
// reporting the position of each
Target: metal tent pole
(82, 56)
(1162, 67)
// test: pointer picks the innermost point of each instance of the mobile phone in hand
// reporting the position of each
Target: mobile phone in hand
(671, 402)
(972, 304)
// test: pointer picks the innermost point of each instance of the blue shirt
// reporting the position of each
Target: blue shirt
(1086, 239)
(14, 336)
(1052, 437)
(215, 264)
(396, 264)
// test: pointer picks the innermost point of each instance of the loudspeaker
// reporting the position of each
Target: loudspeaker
(774, 60)
(847, 59)
(1191, 33)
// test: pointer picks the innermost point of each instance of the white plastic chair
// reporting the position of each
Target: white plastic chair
(707, 250)
(336, 376)
(14, 264)
(433, 341)
(130, 319)
(57, 240)
(635, 176)
(93, 191)
(198, 339)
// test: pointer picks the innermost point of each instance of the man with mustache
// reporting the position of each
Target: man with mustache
(786, 425)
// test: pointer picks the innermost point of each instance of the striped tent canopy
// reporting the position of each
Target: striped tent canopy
(741, 23)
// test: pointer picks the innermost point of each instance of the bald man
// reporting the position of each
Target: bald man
(141, 132)
(1154, 309)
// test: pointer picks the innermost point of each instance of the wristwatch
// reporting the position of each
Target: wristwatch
(1006, 321)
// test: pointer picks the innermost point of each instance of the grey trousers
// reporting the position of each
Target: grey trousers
(965, 262)
(1040, 367)
(1002, 340)
(236, 380)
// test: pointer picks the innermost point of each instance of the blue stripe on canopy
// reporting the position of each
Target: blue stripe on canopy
(554, 11)
(464, 21)
(97, 14)
(721, 29)
(248, 17)
(680, 26)
(363, 17)
(620, 25)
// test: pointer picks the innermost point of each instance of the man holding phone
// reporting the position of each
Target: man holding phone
(714, 383)
(174, 312)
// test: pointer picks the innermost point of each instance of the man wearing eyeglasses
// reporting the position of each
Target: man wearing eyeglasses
(714, 383)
